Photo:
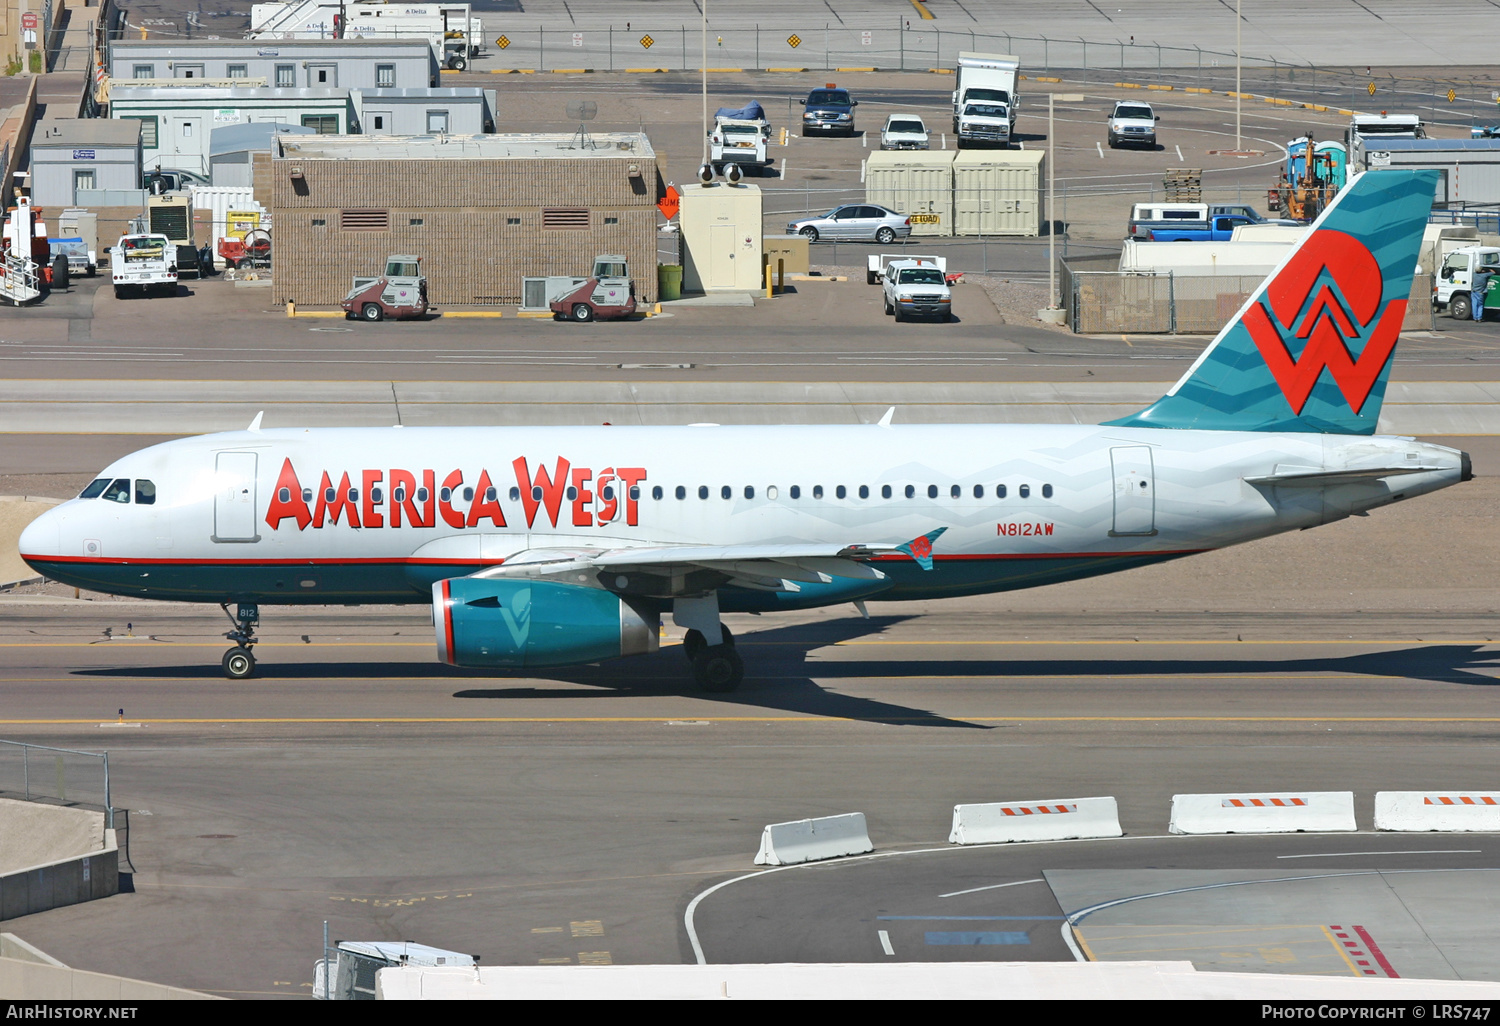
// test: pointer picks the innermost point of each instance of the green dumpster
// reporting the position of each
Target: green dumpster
(669, 281)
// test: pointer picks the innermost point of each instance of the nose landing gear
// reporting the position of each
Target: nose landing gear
(239, 662)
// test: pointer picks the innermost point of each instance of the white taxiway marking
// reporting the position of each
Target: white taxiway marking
(1179, 151)
(1338, 854)
(1100, 147)
(885, 943)
(991, 887)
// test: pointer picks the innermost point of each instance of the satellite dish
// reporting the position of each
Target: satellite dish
(582, 111)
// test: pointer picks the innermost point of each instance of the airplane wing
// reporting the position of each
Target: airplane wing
(759, 567)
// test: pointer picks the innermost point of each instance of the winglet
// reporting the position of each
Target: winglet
(255, 424)
(920, 549)
(886, 420)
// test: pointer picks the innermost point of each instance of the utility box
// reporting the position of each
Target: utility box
(721, 238)
(793, 249)
(917, 183)
(997, 192)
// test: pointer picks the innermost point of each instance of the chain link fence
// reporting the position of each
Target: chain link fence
(895, 46)
(1102, 302)
(58, 776)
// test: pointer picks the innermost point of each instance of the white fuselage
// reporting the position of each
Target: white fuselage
(1022, 505)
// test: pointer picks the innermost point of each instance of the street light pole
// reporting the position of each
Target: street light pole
(704, 5)
(1053, 298)
(1238, 24)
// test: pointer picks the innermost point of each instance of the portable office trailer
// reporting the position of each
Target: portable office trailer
(917, 183)
(176, 123)
(463, 110)
(283, 64)
(721, 237)
(997, 192)
(1469, 168)
(70, 156)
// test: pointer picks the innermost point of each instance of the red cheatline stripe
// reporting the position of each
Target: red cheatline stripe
(1374, 949)
(1036, 810)
(1257, 803)
(1460, 799)
(450, 656)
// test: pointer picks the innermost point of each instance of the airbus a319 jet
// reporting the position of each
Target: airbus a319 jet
(545, 547)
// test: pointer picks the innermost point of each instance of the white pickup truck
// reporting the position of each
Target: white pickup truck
(144, 263)
(917, 287)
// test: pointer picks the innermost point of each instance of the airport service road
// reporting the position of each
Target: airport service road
(574, 815)
(825, 331)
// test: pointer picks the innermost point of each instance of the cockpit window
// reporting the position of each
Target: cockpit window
(118, 490)
(95, 487)
(145, 492)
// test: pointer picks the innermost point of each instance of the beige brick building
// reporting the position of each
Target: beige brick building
(482, 211)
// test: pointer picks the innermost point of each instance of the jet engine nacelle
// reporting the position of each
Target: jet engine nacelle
(495, 622)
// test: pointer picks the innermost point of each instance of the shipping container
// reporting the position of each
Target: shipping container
(997, 192)
(917, 183)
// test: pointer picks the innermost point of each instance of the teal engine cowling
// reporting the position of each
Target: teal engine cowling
(496, 622)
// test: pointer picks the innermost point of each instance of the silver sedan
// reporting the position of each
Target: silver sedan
(863, 222)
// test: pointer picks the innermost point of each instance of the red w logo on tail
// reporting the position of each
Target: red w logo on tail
(1327, 319)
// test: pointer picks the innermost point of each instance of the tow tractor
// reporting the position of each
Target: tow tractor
(28, 268)
(607, 295)
(400, 293)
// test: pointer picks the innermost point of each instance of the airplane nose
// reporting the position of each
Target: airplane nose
(42, 537)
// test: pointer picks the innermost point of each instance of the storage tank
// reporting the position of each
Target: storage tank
(997, 192)
(917, 183)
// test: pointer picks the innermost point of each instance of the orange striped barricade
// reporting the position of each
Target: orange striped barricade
(1437, 810)
(1053, 820)
(1282, 812)
(808, 840)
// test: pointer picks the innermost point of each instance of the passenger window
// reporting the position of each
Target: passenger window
(725, 492)
(955, 491)
(864, 491)
(885, 491)
(656, 492)
(771, 492)
(375, 494)
(399, 495)
(703, 491)
(515, 494)
(607, 492)
(468, 495)
(635, 493)
(817, 491)
(999, 491)
(118, 490)
(307, 494)
(932, 491)
(681, 492)
(489, 495)
(749, 491)
(145, 492)
(979, 491)
(354, 495)
(795, 491)
(1024, 491)
(95, 487)
(911, 491)
(536, 493)
(1046, 491)
(284, 495)
(572, 493)
(840, 492)
(444, 494)
(330, 494)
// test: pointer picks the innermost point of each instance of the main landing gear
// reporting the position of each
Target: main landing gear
(238, 662)
(709, 646)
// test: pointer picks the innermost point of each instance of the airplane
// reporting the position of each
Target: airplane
(557, 546)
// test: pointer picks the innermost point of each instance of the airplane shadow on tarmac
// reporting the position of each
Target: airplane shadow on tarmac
(781, 675)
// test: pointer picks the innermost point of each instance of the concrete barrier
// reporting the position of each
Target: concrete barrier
(66, 882)
(1282, 812)
(1035, 821)
(1437, 810)
(26, 980)
(808, 840)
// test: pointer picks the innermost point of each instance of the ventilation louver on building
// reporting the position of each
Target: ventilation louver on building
(365, 220)
(570, 219)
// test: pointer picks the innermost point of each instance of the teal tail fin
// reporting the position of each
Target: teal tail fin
(1311, 350)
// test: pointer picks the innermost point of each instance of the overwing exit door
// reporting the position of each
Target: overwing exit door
(234, 497)
(1135, 490)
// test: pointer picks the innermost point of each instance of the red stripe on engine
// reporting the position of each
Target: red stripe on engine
(448, 656)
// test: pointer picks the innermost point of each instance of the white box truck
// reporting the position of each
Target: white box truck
(984, 98)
